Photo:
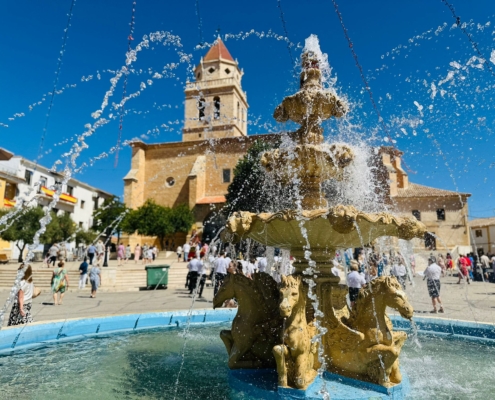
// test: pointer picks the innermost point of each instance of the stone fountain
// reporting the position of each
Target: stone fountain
(357, 344)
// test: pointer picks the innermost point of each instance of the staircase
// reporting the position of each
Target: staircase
(129, 277)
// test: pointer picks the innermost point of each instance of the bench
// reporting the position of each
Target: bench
(4, 259)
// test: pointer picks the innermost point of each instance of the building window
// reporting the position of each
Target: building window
(43, 182)
(226, 176)
(70, 190)
(211, 70)
(170, 181)
(478, 232)
(96, 201)
(28, 175)
(441, 214)
(238, 111)
(83, 203)
(216, 102)
(201, 108)
(417, 214)
(227, 71)
(80, 225)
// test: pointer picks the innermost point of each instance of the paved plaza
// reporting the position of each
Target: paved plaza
(474, 302)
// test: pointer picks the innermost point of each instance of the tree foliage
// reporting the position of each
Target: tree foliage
(152, 219)
(60, 229)
(106, 215)
(85, 237)
(247, 191)
(23, 228)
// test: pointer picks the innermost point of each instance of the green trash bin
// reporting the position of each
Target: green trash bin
(157, 275)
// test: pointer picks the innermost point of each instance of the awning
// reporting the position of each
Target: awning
(212, 200)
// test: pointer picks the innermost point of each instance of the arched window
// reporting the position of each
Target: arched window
(201, 108)
(216, 102)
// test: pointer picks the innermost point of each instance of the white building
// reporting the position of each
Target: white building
(483, 234)
(23, 178)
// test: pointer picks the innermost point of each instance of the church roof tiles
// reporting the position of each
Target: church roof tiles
(218, 51)
(415, 190)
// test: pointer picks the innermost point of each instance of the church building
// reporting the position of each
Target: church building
(197, 170)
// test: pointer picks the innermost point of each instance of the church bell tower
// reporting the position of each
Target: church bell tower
(216, 105)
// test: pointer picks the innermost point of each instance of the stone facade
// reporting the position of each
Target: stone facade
(444, 212)
(483, 234)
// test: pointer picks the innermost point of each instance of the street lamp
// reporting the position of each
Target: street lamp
(105, 260)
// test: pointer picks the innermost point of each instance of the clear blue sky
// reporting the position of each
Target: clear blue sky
(398, 43)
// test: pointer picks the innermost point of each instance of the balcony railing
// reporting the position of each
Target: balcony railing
(214, 82)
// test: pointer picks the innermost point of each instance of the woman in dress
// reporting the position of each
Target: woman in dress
(127, 253)
(60, 282)
(120, 254)
(137, 253)
(21, 309)
(95, 279)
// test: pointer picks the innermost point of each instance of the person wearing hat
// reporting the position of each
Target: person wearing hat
(355, 281)
(21, 309)
(432, 275)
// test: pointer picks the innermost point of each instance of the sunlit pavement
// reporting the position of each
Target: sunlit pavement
(474, 302)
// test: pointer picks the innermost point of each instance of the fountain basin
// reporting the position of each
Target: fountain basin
(143, 362)
(327, 228)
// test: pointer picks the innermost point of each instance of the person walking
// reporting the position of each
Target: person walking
(62, 252)
(95, 279)
(432, 275)
(400, 272)
(179, 253)
(187, 249)
(60, 283)
(21, 309)
(485, 265)
(120, 254)
(195, 266)
(149, 255)
(52, 254)
(441, 264)
(220, 268)
(127, 253)
(463, 274)
(355, 281)
(137, 253)
(449, 264)
(91, 253)
(203, 272)
(83, 273)
(100, 251)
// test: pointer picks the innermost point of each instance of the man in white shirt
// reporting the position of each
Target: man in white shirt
(355, 281)
(262, 264)
(195, 266)
(248, 268)
(220, 268)
(202, 276)
(187, 249)
(432, 274)
(400, 272)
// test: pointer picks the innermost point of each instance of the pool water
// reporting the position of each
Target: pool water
(145, 365)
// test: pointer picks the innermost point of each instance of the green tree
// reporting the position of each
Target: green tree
(23, 228)
(104, 216)
(247, 191)
(152, 219)
(85, 237)
(60, 229)
(181, 218)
